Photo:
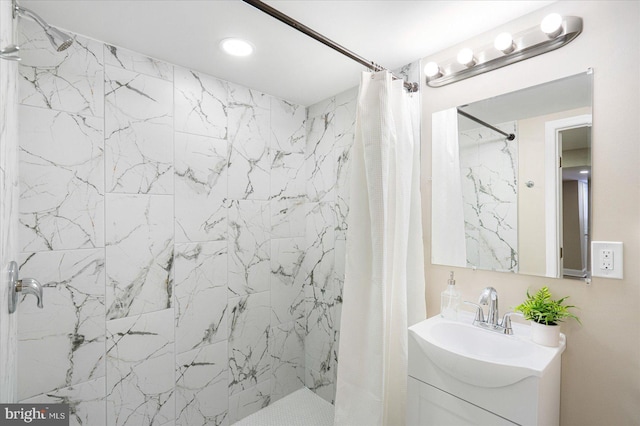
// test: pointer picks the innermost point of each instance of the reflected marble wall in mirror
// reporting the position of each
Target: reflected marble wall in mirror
(515, 204)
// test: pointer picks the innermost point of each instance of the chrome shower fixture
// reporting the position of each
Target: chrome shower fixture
(10, 53)
(59, 39)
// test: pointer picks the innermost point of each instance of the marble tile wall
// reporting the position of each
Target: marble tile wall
(164, 211)
(489, 169)
(8, 203)
(190, 233)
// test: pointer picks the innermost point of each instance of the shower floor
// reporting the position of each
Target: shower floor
(301, 408)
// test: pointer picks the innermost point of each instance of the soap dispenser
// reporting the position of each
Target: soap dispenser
(450, 300)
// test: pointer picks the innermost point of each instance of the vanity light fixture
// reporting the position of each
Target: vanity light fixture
(551, 25)
(465, 57)
(504, 43)
(432, 70)
(584, 172)
(554, 32)
(236, 47)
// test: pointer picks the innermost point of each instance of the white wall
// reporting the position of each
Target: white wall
(532, 236)
(601, 366)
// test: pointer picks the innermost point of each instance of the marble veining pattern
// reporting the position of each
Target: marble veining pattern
(132, 61)
(249, 135)
(287, 359)
(87, 405)
(138, 133)
(320, 156)
(287, 144)
(71, 328)
(200, 294)
(200, 188)
(249, 247)
(202, 386)
(200, 104)
(141, 369)
(330, 134)
(247, 402)
(139, 254)
(287, 280)
(61, 180)
(71, 80)
(488, 167)
(249, 339)
(255, 190)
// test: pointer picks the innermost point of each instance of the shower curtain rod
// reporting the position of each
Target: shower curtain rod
(275, 13)
(510, 136)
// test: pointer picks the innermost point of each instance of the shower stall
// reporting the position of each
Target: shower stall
(189, 234)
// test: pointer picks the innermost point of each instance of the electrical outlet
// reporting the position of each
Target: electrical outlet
(606, 259)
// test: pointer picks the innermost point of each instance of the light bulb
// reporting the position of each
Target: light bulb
(552, 25)
(236, 47)
(504, 43)
(432, 70)
(465, 57)
(584, 172)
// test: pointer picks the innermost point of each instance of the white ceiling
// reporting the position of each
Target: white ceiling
(286, 63)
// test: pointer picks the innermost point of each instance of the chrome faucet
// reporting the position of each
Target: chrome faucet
(489, 296)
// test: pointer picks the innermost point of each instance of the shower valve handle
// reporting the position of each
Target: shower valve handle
(25, 286)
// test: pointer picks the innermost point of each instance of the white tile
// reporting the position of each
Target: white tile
(287, 280)
(132, 61)
(320, 240)
(345, 117)
(288, 176)
(71, 80)
(202, 386)
(287, 358)
(200, 294)
(249, 135)
(200, 104)
(288, 217)
(249, 401)
(320, 158)
(288, 132)
(201, 188)
(61, 180)
(138, 133)
(249, 247)
(87, 404)
(141, 370)
(249, 334)
(139, 254)
(302, 407)
(70, 327)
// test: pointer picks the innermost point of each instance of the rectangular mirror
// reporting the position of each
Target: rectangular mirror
(511, 181)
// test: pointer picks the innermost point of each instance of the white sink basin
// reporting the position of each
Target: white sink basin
(482, 357)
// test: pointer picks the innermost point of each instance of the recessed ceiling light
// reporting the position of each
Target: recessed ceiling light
(236, 47)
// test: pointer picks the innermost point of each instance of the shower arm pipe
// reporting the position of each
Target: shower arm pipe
(509, 136)
(275, 13)
(19, 10)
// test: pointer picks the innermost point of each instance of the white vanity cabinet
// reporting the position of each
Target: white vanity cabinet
(431, 406)
(467, 383)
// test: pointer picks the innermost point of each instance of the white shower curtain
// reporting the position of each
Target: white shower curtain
(384, 276)
(448, 242)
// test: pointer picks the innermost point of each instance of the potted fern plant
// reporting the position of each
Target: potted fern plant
(545, 314)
